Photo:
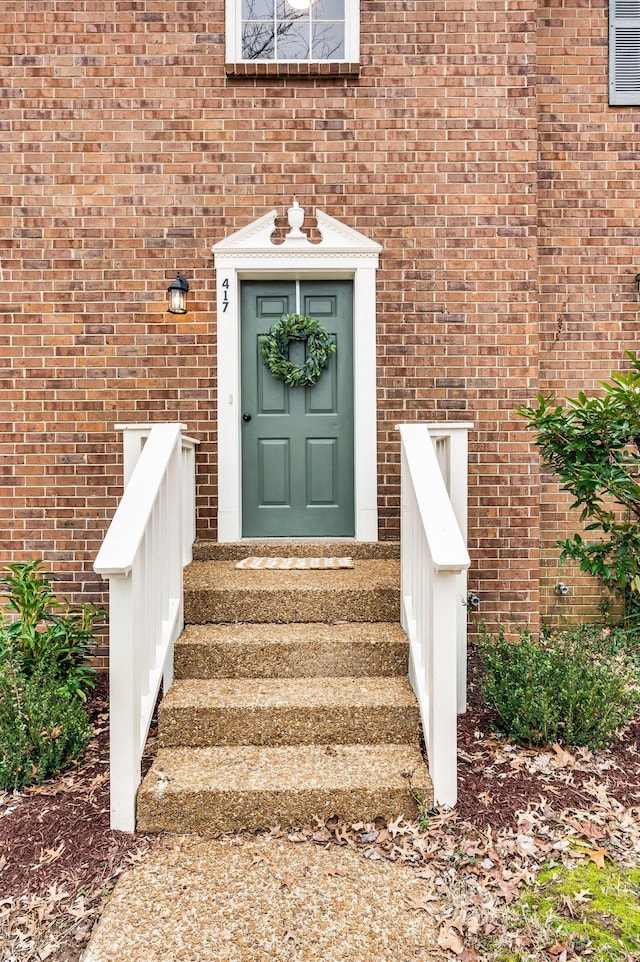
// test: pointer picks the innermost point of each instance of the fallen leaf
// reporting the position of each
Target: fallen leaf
(598, 856)
(331, 870)
(447, 939)
(563, 758)
(322, 835)
(558, 951)
(583, 896)
(588, 829)
(373, 854)
(288, 880)
(508, 892)
(47, 856)
(47, 950)
(421, 904)
(367, 837)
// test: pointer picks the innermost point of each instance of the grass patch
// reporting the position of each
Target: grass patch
(594, 911)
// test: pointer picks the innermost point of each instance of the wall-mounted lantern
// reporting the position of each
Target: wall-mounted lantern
(638, 282)
(178, 295)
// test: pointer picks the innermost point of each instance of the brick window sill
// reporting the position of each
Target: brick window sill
(263, 68)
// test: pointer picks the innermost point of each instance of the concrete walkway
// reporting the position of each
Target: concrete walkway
(257, 899)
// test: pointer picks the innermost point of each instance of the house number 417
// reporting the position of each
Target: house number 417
(225, 295)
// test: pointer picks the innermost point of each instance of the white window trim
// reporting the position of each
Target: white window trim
(249, 254)
(233, 33)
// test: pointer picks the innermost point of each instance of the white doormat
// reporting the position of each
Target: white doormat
(295, 564)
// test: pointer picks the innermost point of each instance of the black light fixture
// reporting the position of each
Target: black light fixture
(638, 282)
(178, 295)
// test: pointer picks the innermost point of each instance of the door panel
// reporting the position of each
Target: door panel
(297, 447)
(274, 471)
(322, 471)
(273, 396)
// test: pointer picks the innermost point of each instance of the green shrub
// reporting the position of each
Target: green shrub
(41, 628)
(573, 687)
(45, 645)
(43, 725)
(592, 445)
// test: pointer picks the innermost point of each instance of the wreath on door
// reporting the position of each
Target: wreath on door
(274, 349)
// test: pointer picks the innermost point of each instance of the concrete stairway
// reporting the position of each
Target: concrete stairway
(290, 698)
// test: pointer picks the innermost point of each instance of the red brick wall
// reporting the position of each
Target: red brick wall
(126, 152)
(589, 242)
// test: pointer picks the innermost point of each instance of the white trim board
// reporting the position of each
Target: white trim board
(249, 254)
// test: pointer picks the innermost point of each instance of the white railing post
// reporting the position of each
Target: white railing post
(134, 437)
(455, 435)
(124, 696)
(442, 667)
(188, 486)
(434, 560)
(143, 555)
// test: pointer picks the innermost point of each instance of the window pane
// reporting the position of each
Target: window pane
(327, 41)
(292, 11)
(293, 41)
(258, 41)
(328, 10)
(257, 9)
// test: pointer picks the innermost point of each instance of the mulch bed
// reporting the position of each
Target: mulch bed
(59, 859)
(494, 784)
(58, 856)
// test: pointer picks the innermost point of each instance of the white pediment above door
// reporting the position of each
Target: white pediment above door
(336, 238)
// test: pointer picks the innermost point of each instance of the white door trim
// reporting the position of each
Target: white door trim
(249, 254)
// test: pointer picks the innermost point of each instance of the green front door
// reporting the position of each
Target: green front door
(297, 443)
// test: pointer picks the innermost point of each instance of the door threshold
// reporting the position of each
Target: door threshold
(337, 539)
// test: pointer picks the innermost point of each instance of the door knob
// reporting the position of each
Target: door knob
(246, 417)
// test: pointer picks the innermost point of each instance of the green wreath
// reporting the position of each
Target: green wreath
(274, 348)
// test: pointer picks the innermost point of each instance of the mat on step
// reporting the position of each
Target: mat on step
(295, 564)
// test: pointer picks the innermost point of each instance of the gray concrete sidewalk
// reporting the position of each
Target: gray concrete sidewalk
(257, 899)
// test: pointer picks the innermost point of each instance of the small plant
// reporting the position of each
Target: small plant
(420, 800)
(572, 687)
(43, 725)
(42, 628)
(45, 645)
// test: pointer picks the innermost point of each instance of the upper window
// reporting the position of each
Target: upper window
(624, 51)
(299, 31)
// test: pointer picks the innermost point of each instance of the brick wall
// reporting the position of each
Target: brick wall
(126, 151)
(589, 242)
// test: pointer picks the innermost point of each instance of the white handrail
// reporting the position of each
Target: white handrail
(143, 554)
(434, 561)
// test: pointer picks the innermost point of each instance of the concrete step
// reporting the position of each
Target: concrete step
(234, 551)
(228, 789)
(218, 592)
(288, 711)
(291, 650)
